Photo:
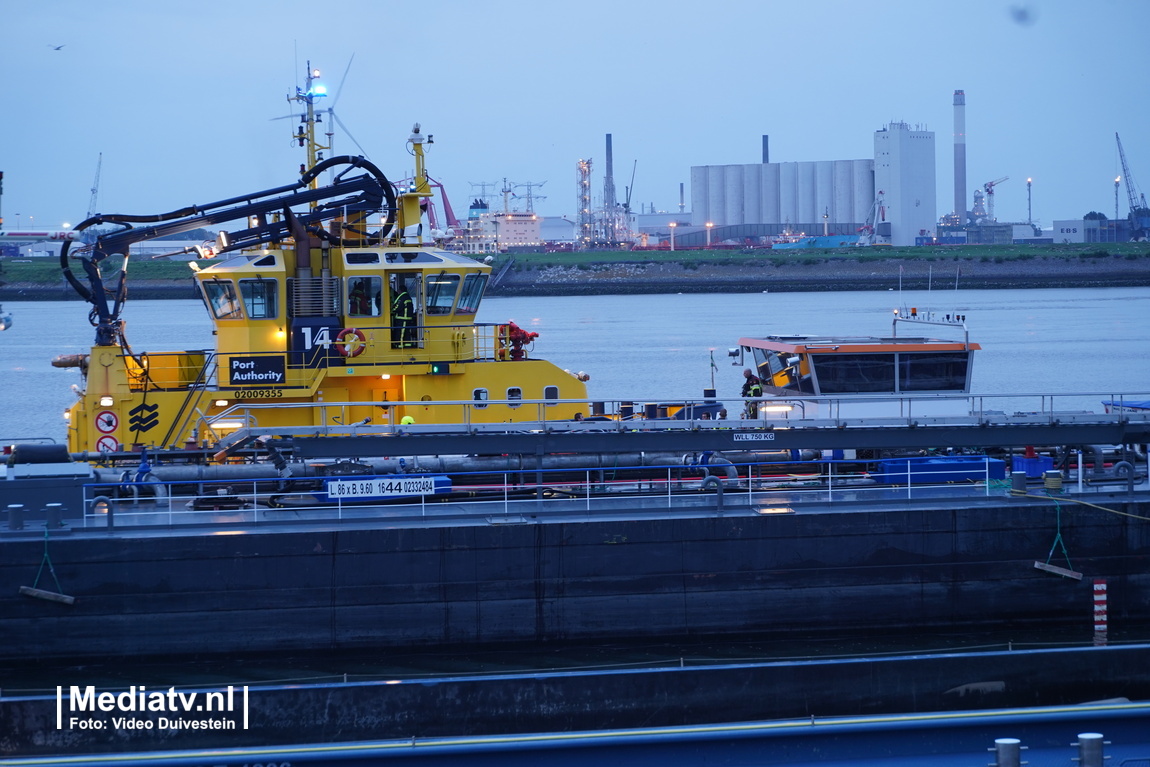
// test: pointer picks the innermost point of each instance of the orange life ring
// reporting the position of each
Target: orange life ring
(350, 342)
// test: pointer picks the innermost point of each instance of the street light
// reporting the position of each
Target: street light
(1116, 180)
(672, 225)
(709, 225)
(1029, 214)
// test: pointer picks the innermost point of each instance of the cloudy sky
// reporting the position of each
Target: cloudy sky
(179, 97)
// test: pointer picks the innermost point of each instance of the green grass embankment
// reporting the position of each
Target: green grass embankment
(588, 272)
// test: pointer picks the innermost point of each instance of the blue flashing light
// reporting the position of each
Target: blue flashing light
(318, 89)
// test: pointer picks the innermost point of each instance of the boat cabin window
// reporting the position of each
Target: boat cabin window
(933, 371)
(260, 298)
(361, 258)
(551, 394)
(441, 293)
(472, 293)
(849, 373)
(480, 397)
(767, 363)
(363, 296)
(221, 296)
(514, 393)
(410, 256)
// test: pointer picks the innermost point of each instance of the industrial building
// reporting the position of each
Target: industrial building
(833, 196)
(904, 173)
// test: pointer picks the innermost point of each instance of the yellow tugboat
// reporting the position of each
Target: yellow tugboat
(332, 309)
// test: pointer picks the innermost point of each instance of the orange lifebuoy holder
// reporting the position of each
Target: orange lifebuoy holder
(350, 342)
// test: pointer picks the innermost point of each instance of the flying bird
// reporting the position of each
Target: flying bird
(56, 47)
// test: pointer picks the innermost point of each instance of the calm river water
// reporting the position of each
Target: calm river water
(658, 347)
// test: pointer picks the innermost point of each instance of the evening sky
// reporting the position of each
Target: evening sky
(179, 97)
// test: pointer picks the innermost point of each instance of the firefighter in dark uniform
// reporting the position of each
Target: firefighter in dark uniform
(359, 303)
(402, 317)
(752, 387)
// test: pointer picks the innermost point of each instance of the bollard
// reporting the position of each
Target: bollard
(1018, 481)
(52, 514)
(1052, 480)
(1090, 749)
(15, 516)
(1007, 752)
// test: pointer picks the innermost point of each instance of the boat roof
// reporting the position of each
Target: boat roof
(407, 256)
(853, 344)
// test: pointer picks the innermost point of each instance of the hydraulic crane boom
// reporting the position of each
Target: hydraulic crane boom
(350, 197)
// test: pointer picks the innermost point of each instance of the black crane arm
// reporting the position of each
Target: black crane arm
(351, 196)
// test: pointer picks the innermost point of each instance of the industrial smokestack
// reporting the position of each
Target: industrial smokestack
(766, 151)
(960, 156)
(609, 180)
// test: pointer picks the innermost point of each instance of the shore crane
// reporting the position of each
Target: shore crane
(1139, 213)
(95, 187)
(868, 232)
(989, 187)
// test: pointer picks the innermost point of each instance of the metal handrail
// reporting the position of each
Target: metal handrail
(976, 414)
(498, 497)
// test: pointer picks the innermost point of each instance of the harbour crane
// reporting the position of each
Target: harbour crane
(95, 187)
(989, 187)
(868, 232)
(1139, 213)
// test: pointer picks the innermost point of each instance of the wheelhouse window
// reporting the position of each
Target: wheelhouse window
(260, 298)
(514, 393)
(363, 296)
(767, 363)
(933, 371)
(441, 293)
(222, 300)
(480, 397)
(551, 394)
(471, 294)
(846, 373)
(361, 258)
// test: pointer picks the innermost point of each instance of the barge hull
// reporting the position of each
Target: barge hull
(642, 575)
